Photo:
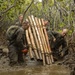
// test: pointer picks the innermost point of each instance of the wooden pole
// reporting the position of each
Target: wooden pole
(35, 30)
(47, 40)
(44, 42)
(38, 36)
(33, 43)
(30, 48)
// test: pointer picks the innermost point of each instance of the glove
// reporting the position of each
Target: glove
(25, 51)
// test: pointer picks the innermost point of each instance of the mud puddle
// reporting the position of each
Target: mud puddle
(31, 67)
(38, 70)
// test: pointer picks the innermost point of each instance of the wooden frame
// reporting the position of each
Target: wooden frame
(38, 38)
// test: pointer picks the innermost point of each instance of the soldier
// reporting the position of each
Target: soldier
(20, 18)
(57, 40)
(17, 44)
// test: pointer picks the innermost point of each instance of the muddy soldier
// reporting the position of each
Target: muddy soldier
(18, 44)
(57, 40)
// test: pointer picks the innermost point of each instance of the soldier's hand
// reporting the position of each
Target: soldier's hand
(54, 39)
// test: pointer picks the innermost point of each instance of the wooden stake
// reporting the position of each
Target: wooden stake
(38, 36)
(34, 28)
(30, 48)
(47, 40)
(33, 43)
(44, 43)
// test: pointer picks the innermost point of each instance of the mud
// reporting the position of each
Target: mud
(41, 70)
(69, 60)
(30, 67)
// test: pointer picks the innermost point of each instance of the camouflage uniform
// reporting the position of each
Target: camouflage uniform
(18, 23)
(16, 46)
(55, 45)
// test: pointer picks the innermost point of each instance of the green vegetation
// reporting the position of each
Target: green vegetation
(59, 13)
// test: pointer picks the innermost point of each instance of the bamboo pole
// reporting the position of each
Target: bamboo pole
(48, 52)
(38, 36)
(35, 30)
(30, 48)
(33, 43)
(44, 42)
(47, 40)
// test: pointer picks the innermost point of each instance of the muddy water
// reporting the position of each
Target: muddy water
(38, 70)
(31, 68)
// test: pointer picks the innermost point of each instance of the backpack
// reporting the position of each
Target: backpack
(11, 32)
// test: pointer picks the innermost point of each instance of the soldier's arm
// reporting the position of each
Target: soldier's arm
(52, 34)
(19, 38)
(64, 48)
(64, 44)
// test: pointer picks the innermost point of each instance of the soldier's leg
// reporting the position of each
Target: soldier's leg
(13, 57)
(56, 54)
(64, 52)
(20, 57)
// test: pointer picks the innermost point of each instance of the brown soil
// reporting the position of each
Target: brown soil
(69, 60)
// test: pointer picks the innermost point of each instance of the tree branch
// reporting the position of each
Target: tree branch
(59, 7)
(27, 10)
(9, 7)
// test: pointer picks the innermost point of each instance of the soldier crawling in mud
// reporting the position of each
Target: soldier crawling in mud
(17, 44)
(56, 41)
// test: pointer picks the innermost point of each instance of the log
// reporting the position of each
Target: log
(47, 40)
(30, 48)
(38, 37)
(44, 42)
(37, 33)
(33, 43)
